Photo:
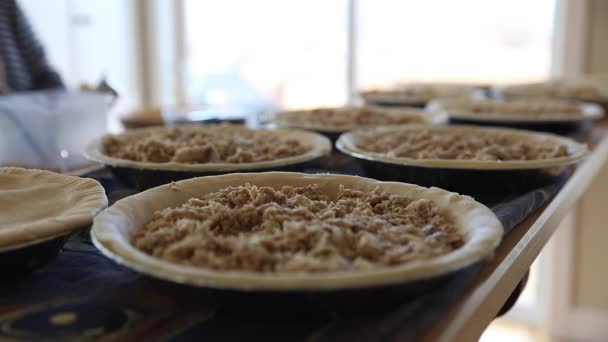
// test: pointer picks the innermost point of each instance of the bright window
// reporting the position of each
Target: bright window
(285, 54)
(266, 53)
(455, 41)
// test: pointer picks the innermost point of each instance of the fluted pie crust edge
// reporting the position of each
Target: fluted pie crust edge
(71, 203)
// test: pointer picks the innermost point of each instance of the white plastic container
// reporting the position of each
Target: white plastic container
(49, 129)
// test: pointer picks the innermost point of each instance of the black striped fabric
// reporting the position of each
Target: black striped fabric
(22, 56)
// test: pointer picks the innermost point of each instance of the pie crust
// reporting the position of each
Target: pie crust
(39, 205)
(347, 143)
(366, 115)
(417, 93)
(114, 229)
(522, 110)
(579, 89)
(316, 144)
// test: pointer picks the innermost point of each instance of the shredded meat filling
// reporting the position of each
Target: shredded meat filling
(446, 144)
(298, 229)
(203, 144)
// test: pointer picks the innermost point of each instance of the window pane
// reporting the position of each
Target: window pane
(458, 41)
(266, 53)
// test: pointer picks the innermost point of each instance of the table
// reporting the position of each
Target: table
(467, 320)
(474, 311)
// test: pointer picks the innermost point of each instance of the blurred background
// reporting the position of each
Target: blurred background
(273, 53)
(257, 56)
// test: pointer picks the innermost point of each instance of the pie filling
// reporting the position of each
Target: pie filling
(298, 229)
(203, 144)
(459, 145)
(347, 117)
(581, 90)
(526, 108)
(422, 92)
(406, 94)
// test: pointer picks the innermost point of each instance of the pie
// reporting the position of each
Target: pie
(519, 110)
(38, 205)
(206, 148)
(200, 144)
(293, 231)
(416, 93)
(462, 147)
(578, 89)
(343, 119)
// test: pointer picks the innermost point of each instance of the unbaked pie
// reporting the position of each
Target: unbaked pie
(203, 144)
(578, 89)
(206, 148)
(293, 231)
(462, 147)
(416, 93)
(37, 205)
(520, 110)
(341, 119)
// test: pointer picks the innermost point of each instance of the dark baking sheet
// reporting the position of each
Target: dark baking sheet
(82, 294)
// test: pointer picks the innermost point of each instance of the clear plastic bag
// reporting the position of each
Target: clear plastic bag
(49, 129)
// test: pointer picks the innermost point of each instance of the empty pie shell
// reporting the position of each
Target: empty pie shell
(461, 109)
(114, 228)
(347, 143)
(38, 205)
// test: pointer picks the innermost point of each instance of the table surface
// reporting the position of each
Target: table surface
(467, 320)
(474, 311)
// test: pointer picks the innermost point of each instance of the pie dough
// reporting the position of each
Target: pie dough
(114, 230)
(520, 110)
(342, 119)
(198, 148)
(39, 205)
(462, 147)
